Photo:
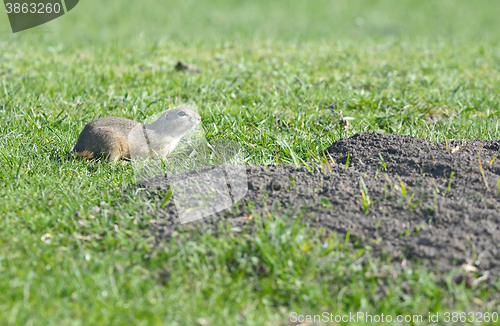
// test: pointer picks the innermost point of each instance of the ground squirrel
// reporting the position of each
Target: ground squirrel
(117, 138)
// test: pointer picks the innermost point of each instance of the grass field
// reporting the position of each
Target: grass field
(268, 70)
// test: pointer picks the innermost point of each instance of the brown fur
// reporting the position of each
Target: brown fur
(105, 137)
(109, 137)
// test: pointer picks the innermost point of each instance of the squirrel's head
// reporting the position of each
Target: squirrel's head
(178, 121)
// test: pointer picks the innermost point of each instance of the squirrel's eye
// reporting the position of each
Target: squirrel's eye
(182, 114)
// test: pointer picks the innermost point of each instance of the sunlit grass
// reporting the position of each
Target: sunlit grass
(264, 85)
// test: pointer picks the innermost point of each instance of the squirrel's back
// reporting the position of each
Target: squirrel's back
(106, 137)
(114, 123)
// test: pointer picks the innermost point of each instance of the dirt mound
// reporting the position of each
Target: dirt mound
(435, 203)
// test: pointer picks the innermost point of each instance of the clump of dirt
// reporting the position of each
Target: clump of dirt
(437, 203)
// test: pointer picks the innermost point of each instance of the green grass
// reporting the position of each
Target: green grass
(427, 69)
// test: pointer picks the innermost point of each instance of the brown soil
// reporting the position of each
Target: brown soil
(438, 226)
